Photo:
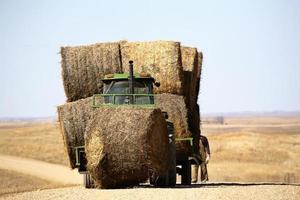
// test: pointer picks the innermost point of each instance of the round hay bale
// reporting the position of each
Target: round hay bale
(84, 66)
(161, 59)
(175, 106)
(125, 145)
(189, 63)
(73, 118)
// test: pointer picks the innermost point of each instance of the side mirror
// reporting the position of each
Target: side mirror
(157, 84)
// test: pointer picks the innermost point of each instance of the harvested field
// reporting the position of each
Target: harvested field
(84, 66)
(161, 59)
(41, 141)
(125, 151)
(254, 149)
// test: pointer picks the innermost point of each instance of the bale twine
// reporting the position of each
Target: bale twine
(84, 66)
(124, 145)
(161, 59)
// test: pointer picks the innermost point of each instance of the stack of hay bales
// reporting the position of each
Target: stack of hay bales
(192, 64)
(177, 68)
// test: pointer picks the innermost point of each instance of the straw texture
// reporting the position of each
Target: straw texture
(84, 66)
(161, 59)
(124, 145)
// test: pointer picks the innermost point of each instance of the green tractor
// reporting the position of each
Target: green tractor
(137, 89)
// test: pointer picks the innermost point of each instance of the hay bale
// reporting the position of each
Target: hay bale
(191, 67)
(73, 118)
(189, 57)
(124, 145)
(195, 119)
(84, 66)
(200, 60)
(199, 70)
(161, 59)
(175, 106)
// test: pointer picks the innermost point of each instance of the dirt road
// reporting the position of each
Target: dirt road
(210, 192)
(51, 172)
(63, 175)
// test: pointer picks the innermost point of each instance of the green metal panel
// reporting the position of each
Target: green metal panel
(123, 76)
(190, 139)
(77, 152)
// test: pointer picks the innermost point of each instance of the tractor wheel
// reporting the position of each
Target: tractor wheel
(186, 178)
(172, 168)
(172, 177)
(172, 156)
(88, 181)
(159, 181)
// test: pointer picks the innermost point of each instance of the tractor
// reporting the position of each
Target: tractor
(122, 89)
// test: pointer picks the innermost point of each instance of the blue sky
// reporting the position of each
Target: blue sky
(251, 48)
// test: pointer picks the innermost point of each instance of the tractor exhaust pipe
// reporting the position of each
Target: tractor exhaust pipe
(131, 77)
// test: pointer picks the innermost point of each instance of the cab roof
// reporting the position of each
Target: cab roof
(124, 76)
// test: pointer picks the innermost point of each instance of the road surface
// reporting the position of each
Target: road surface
(47, 171)
(209, 192)
(63, 175)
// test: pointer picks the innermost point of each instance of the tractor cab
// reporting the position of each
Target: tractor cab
(127, 88)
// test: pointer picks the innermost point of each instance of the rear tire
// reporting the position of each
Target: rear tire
(172, 156)
(186, 178)
(158, 181)
(172, 177)
(172, 168)
(88, 181)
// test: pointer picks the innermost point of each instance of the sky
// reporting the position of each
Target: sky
(251, 48)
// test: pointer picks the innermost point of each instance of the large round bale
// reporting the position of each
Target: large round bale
(73, 118)
(195, 119)
(125, 145)
(161, 59)
(199, 71)
(84, 66)
(175, 106)
(189, 57)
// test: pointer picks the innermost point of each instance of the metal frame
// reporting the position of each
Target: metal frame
(190, 139)
(78, 150)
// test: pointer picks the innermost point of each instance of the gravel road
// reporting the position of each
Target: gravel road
(209, 191)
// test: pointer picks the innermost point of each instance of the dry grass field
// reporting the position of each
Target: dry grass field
(247, 149)
(41, 141)
(259, 149)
